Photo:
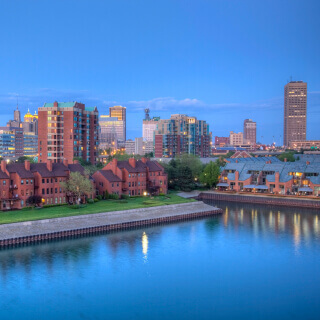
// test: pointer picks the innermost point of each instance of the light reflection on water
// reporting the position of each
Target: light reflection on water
(252, 262)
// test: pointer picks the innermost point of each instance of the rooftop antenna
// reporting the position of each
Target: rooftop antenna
(147, 111)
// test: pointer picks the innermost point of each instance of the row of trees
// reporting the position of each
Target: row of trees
(187, 172)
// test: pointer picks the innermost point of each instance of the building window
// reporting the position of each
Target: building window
(22, 203)
(56, 190)
(27, 181)
(31, 181)
(21, 181)
(43, 191)
(4, 182)
(56, 200)
(47, 180)
(22, 192)
(43, 181)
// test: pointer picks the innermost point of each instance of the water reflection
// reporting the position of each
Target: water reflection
(145, 245)
(302, 224)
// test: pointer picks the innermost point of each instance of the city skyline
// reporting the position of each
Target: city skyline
(212, 65)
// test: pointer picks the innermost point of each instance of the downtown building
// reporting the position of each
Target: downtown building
(112, 132)
(68, 130)
(19, 138)
(295, 112)
(249, 132)
(182, 134)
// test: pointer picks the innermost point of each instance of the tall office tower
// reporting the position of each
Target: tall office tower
(11, 142)
(111, 132)
(182, 134)
(250, 131)
(68, 130)
(120, 113)
(295, 112)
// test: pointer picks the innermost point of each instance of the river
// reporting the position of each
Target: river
(252, 262)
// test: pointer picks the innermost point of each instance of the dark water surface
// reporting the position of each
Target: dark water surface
(252, 262)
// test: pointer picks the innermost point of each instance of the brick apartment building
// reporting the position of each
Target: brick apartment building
(18, 181)
(68, 130)
(131, 177)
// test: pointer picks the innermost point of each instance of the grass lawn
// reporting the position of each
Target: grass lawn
(101, 206)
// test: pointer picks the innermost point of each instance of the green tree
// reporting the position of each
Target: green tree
(77, 186)
(210, 175)
(34, 200)
(22, 159)
(184, 180)
(287, 155)
(193, 162)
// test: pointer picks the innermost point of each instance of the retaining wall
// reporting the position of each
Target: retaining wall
(66, 227)
(288, 202)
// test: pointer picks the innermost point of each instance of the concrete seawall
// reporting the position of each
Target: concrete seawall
(42, 230)
(266, 200)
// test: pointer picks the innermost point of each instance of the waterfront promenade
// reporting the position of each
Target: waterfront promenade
(39, 230)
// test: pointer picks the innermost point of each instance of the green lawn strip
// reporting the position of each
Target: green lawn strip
(97, 207)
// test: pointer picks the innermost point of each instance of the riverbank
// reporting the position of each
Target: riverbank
(260, 199)
(42, 230)
(97, 207)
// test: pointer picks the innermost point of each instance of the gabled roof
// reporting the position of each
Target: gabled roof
(76, 167)
(110, 176)
(154, 166)
(3, 175)
(20, 169)
(58, 170)
(42, 169)
(140, 166)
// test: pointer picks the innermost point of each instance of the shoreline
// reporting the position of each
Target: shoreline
(260, 199)
(60, 228)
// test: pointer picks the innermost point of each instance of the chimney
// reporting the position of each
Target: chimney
(27, 165)
(144, 160)
(307, 163)
(114, 166)
(277, 177)
(285, 159)
(65, 162)
(237, 161)
(49, 165)
(3, 165)
(132, 162)
(55, 104)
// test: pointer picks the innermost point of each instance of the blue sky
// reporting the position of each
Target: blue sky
(222, 61)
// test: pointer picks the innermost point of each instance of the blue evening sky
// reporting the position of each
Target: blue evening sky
(219, 60)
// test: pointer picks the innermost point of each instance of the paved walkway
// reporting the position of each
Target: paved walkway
(31, 228)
